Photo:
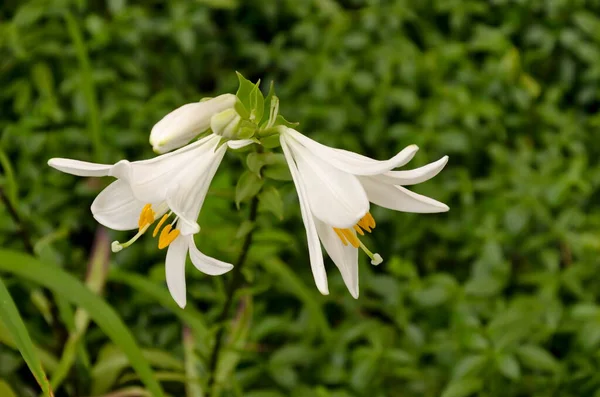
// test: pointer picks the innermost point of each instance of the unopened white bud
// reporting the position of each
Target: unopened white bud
(183, 124)
(226, 123)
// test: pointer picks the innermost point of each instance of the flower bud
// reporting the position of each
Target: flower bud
(226, 123)
(180, 126)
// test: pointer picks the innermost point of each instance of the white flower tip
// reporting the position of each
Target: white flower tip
(444, 208)
(116, 246)
(181, 301)
(377, 259)
(354, 293)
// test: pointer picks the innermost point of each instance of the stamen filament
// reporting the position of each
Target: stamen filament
(117, 246)
(376, 259)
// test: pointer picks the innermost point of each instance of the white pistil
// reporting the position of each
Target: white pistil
(376, 259)
(116, 246)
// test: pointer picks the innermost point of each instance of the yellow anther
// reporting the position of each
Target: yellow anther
(146, 216)
(157, 228)
(340, 235)
(371, 220)
(167, 236)
(351, 237)
(359, 230)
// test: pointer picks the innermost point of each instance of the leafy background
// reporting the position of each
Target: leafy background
(498, 297)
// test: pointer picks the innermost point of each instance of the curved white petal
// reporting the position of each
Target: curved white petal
(240, 143)
(184, 123)
(352, 162)
(400, 199)
(335, 197)
(185, 198)
(345, 257)
(412, 177)
(116, 207)
(150, 179)
(314, 248)
(79, 168)
(175, 270)
(204, 263)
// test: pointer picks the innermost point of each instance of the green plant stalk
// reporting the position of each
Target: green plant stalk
(87, 83)
(95, 280)
(15, 325)
(234, 284)
(192, 384)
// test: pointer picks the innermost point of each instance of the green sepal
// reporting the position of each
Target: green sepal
(247, 187)
(222, 142)
(278, 172)
(269, 200)
(244, 90)
(270, 142)
(241, 109)
(280, 120)
(247, 129)
(257, 103)
(267, 104)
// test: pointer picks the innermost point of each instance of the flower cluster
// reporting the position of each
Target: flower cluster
(335, 187)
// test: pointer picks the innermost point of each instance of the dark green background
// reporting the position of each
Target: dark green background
(497, 297)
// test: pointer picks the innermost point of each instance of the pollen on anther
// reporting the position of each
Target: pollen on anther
(340, 235)
(167, 236)
(351, 237)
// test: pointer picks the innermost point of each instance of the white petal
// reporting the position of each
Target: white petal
(117, 208)
(204, 263)
(175, 270)
(314, 247)
(345, 257)
(150, 179)
(240, 143)
(336, 197)
(400, 199)
(412, 177)
(79, 168)
(184, 123)
(353, 163)
(185, 198)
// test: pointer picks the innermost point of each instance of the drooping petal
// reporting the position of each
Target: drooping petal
(314, 247)
(350, 162)
(400, 199)
(116, 207)
(412, 177)
(345, 257)
(175, 270)
(150, 179)
(79, 168)
(184, 123)
(204, 263)
(185, 198)
(335, 197)
(240, 143)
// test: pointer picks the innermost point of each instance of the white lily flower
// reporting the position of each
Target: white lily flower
(173, 184)
(186, 122)
(334, 189)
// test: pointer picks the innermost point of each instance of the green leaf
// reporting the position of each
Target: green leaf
(470, 366)
(192, 383)
(278, 172)
(247, 187)
(19, 334)
(535, 357)
(463, 388)
(62, 283)
(6, 390)
(255, 161)
(269, 200)
(508, 366)
(280, 120)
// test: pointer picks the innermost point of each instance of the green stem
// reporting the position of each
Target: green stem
(234, 284)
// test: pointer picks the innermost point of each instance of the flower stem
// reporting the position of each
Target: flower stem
(234, 283)
(14, 214)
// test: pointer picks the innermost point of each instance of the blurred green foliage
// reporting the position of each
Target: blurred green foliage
(498, 297)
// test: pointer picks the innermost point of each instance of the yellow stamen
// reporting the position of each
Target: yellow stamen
(167, 236)
(157, 228)
(351, 237)
(340, 235)
(146, 216)
(359, 230)
(370, 219)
